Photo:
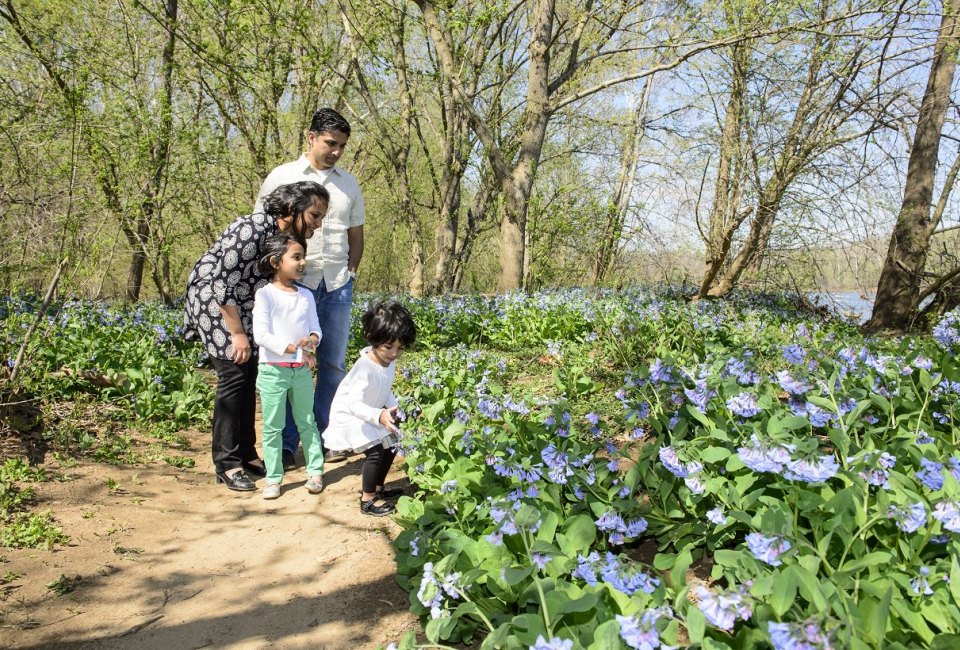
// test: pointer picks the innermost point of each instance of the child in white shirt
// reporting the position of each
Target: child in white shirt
(286, 329)
(363, 411)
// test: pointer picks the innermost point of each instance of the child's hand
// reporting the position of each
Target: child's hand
(306, 343)
(387, 419)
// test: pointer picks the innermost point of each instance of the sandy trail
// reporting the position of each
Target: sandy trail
(169, 559)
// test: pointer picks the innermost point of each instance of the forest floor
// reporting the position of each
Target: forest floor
(161, 557)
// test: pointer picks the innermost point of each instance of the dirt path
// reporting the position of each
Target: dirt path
(167, 559)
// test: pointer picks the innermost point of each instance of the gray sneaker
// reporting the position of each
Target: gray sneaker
(271, 491)
(336, 456)
(314, 484)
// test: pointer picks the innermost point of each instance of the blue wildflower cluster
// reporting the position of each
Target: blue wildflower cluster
(723, 608)
(640, 632)
(619, 572)
(805, 635)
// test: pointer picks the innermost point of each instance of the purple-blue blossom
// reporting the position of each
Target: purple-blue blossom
(768, 549)
(641, 633)
(812, 470)
(920, 584)
(717, 516)
(723, 608)
(908, 518)
(805, 635)
(555, 643)
(930, 474)
(743, 405)
(791, 385)
(948, 514)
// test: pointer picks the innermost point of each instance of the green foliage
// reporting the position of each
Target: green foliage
(533, 510)
(33, 530)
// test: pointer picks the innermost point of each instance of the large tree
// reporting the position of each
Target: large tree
(899, 289)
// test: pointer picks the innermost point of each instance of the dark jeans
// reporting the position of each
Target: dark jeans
(234, 412)
(375, 467)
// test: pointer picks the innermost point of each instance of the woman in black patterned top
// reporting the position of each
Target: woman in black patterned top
(219, 306)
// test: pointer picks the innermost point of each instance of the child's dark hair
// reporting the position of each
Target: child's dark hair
(274, 248)
(389, 321)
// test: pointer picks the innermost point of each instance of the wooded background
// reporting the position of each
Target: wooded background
(801, 144)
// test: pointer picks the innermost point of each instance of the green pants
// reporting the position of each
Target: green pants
(276, 385)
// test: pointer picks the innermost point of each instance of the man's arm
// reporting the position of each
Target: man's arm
(355, 241)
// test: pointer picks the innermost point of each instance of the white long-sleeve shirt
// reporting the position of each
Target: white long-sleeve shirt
(281, 318)
(356, 407)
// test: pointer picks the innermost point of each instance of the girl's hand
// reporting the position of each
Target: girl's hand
(387, 419)
(307, 343)
(241, 348)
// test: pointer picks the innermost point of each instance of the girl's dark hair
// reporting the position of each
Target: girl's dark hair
(389, 321)
(274, 247)
(293, 199)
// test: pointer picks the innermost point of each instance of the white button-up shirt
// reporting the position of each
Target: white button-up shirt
(328, 251)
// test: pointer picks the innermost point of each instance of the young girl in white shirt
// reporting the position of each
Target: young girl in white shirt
(364, 409)
(286, 329)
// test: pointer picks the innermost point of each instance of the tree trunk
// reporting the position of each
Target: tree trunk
(899, 287)
(517, 191)
(620, 202)
(724, 215)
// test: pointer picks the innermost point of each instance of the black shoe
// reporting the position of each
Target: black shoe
(257, 470)
(336, 456)
(289, 459)
(369, 508)
(238, 481)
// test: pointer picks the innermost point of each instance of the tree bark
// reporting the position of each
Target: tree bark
(898, 290)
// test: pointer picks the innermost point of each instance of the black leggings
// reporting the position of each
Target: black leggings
(375, 467)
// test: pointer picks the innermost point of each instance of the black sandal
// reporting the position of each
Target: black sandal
(390, 493)
(370, 508)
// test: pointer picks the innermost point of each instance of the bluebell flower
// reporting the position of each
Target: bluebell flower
(611, 520)
(700, 395)
(694, 484)
(659, 373)
(587, 568)
(636, 527)
(668, 456)
(919, 583)
(794, 354)
(743, 405)
(791, 385)
(415, 546)
(723, 608)
(947, 331)
(717, 516)
(812, 470)
(489, 408)
(879, 473)
(495, 538)
(626, 576)
(641, 634)
(923, 363)
(954, 467)
(448, 486)
(765, 457)
(768, 549)
(805, 635)
(624, 492)
(540, 559)
(555, 643)
(948, 513)
(818, 417)
(923, 438)
(941, 418)
(592, 418)
(930, 474)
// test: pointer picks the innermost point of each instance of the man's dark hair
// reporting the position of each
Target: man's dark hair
(327, 120)
(275, 247)
(387, 322)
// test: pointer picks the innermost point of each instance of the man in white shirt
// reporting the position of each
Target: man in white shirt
(333, 255)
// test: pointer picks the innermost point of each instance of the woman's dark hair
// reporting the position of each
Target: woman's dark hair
(387, 322)
(293, 199)
(327, 120)
(274, 247)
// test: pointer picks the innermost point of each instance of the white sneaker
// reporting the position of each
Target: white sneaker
(271, 491)
(314, 484)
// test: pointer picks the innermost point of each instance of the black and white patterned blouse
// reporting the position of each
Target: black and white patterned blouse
(227, 274)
